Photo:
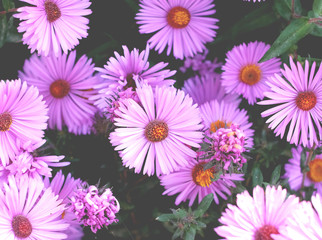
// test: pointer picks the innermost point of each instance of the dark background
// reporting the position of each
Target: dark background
(111, 26)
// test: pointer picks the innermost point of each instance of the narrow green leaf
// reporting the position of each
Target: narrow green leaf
(201, 224)
(257, 176)
(317, 8)
(284, 8)
(8, 4)
(3, 29)
(204, 205)
(276, 174)
(294, 32)
(177, 233)
(190, 234)
(180, 213)
(165, 217)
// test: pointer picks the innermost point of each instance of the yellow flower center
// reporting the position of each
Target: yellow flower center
(156, 131)
(315, 173)
(306, 100)
(52, 11)
(202, 177)
(5, 121)
(250, 74)
(59, 88)
(178, 17)
(218, 124)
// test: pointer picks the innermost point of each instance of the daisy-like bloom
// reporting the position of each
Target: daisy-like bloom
(206, 88)
(299, 99)
(306, 221)
(217, 115)
(52, 25)
(28, 162)
(65, 188)
(294, 175)
(242, 74)
(66, 86)
(262, 215)
(23, 117)
(160, 133)
(181, 25)
(122, 72)
(95, 208)
(29, 211)
(192, 181)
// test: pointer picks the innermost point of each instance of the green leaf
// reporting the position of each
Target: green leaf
(317, 31)
(190, 234)
(276, 174)
(177, 233)
(295, 31)
(201, 224)
(12, 33)
(284, 8)
(165, 217)
(3, 29)
(203, 206)
(8, 4)
(180, 213)
(317, 8)
(257, 176)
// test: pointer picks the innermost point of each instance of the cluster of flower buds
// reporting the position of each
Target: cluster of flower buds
(95, 208)
(198, 63)
(115, 101)
(228, 145)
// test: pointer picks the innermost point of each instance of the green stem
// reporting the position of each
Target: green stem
(8, 11)
(308, 160)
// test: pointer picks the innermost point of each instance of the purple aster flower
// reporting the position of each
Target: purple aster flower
(244, 75)
(122, 72)
(299, 99)
(200, 65)
(306, 221)
(29, 211)
(217, 115)
(29, 162)
(181, 25)
(192, 181)
(206, 88)
(228, 146)
(66, 86)
(23, 117)
(65, 188)
(95, 208)
(52, 25)
(160, 133)
(262, 216)
(294, 174)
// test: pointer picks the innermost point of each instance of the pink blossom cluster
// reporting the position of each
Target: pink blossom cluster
(198, 63)
(94, 209)
(114, 102)
(228, 145)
